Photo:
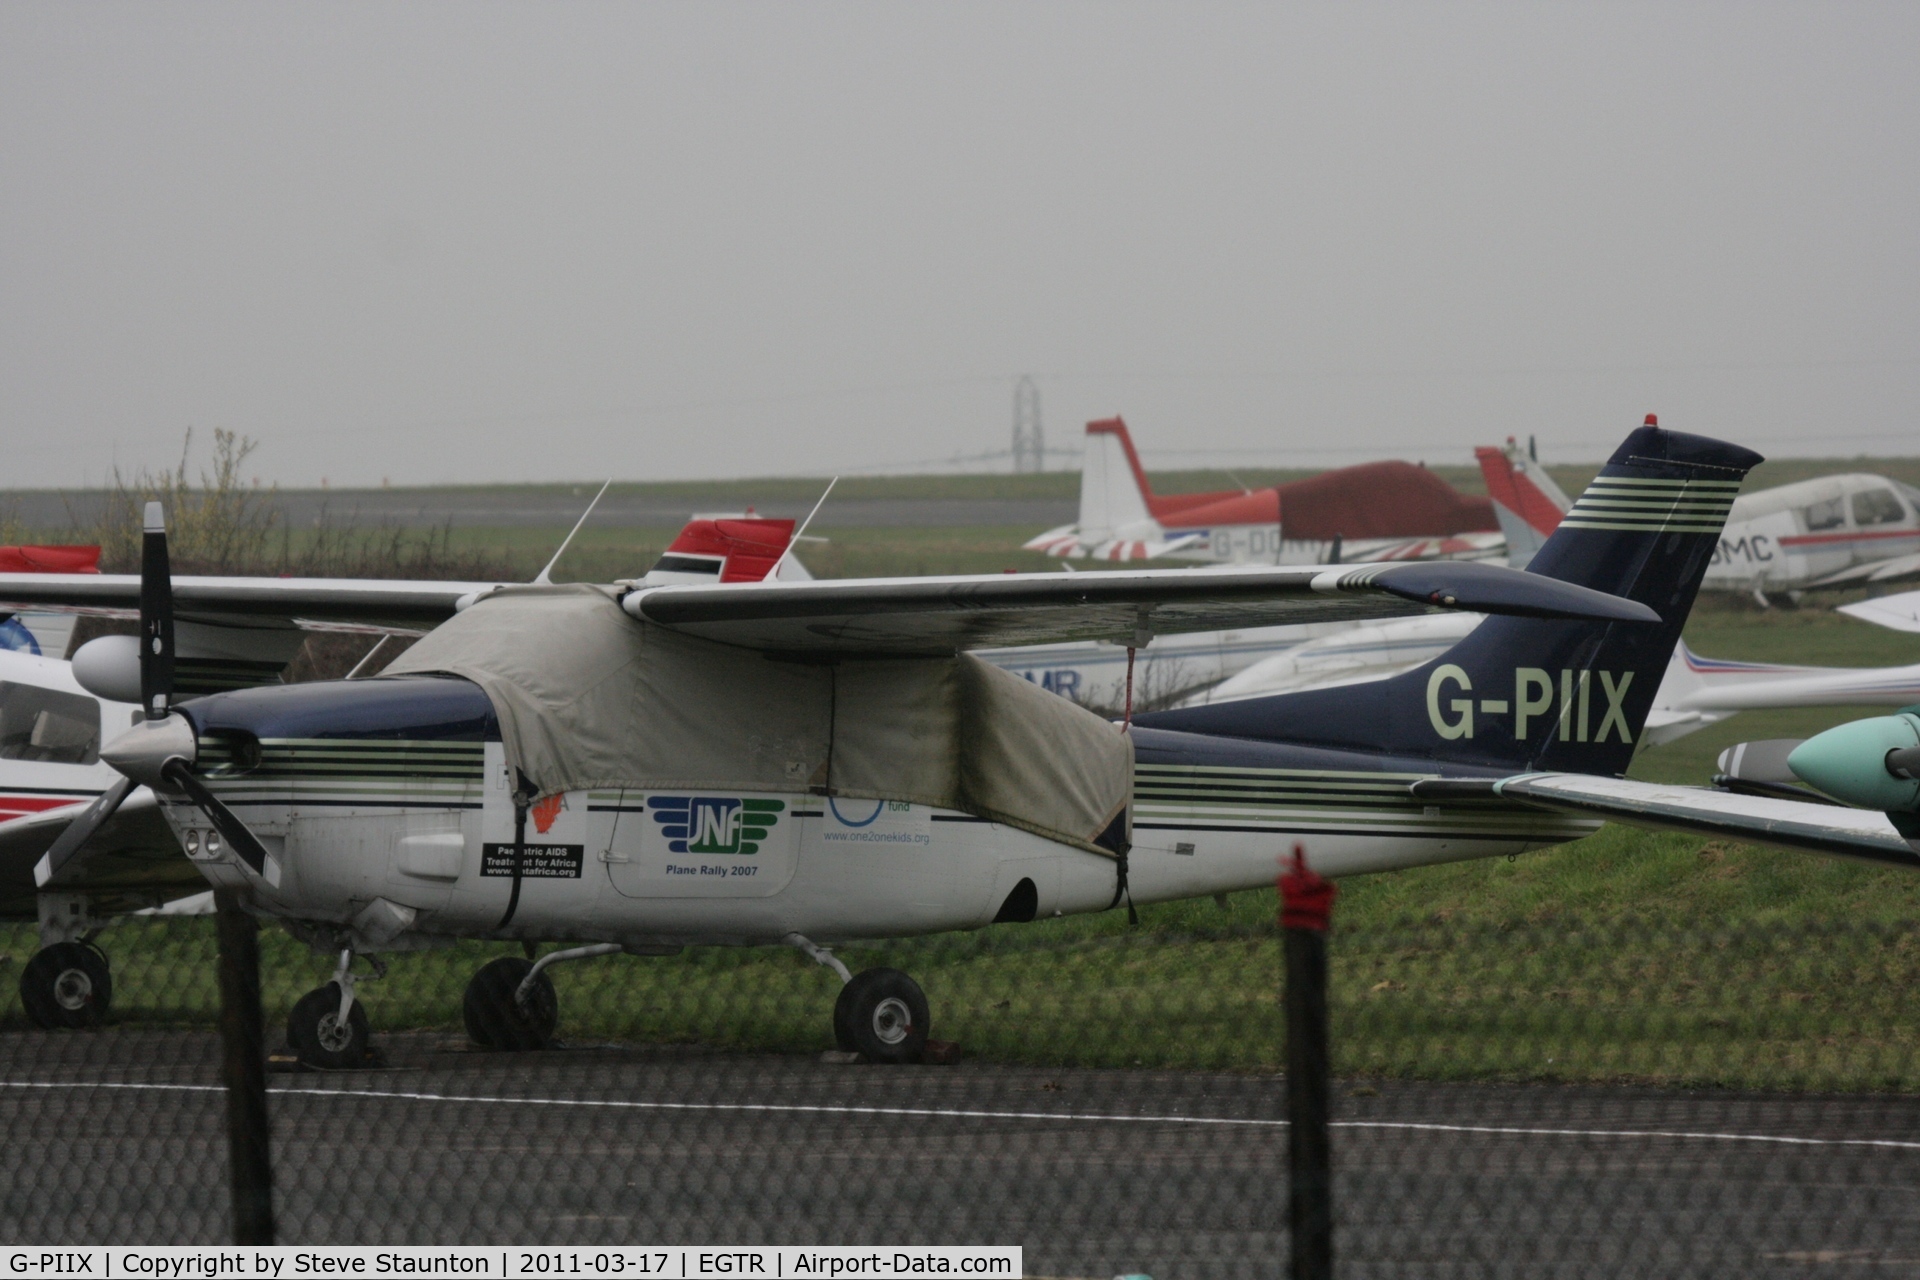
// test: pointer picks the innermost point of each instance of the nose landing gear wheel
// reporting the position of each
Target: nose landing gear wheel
(66, 986)
(319, 1038)
(882, 1015)
(497, 1020)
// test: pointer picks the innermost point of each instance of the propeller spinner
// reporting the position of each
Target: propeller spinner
(159, 751)
(1871, 763)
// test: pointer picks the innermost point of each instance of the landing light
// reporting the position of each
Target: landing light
(193, 842)
(213, 842)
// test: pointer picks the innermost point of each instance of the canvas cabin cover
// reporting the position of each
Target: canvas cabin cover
(590, 698)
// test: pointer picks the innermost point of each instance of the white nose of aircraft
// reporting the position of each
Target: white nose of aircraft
(143, 752)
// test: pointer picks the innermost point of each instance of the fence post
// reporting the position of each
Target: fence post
(1306, 903)
(244, 1067)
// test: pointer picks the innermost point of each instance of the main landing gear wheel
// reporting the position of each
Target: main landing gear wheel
(497, 1019)
(882, 1015)
(319, 1038)
(67, 986)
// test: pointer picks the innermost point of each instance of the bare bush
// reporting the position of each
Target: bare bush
(223, 523)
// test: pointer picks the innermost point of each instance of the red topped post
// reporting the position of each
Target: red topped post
(1306, 905)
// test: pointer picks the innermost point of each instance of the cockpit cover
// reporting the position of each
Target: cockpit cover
(589, 698)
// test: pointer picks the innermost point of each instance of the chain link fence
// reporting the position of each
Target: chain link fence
(1564, 1098)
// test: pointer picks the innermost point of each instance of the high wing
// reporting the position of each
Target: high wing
(374, 601)
(904, 615)
(933, 616)
(133, 861)
(1793, 824)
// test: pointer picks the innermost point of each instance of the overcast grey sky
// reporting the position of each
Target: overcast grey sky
(477, 242)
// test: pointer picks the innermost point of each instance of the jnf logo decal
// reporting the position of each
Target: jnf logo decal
(714, 824)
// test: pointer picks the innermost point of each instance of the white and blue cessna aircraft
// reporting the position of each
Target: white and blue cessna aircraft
(640, 768)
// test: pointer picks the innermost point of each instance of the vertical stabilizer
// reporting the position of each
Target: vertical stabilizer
(1531, 693)
(1113, 487)
(1526, 501)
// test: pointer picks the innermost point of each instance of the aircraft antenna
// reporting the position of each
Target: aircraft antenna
(801, 530)
(545, 576)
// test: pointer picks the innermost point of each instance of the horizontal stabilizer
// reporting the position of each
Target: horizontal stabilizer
(1813, 827)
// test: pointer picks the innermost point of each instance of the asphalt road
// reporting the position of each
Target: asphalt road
(118, 1136)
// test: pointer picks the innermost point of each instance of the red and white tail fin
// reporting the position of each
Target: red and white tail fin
(1526, 501)
(1116, 517)
(1114, 493)
(727, 548)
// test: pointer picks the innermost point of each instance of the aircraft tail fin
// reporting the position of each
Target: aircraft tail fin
(1530, 693)
(727, 548)
(1114, 493)
(1116, 505)
(1526, 501)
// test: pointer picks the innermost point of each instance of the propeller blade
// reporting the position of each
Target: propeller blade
(156, 616)
(81, 828)
(1762, 760)
(238, 837)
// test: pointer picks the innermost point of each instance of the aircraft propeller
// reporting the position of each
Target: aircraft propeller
(159, 751)
(1869, 764)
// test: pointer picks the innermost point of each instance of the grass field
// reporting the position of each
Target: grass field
(1627, 955)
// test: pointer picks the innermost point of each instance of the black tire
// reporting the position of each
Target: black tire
(882, 1015)
(66, 986)
(496, 1020)
(318, 1039)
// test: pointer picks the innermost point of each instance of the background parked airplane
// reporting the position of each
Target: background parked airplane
(1696, 691)
(43, 633)
(1831, 531)
(1376, 511)
(57, 716)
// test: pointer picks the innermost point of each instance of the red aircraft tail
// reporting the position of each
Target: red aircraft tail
(724, 549)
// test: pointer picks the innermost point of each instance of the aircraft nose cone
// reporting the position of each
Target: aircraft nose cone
(1849, 762)
(142, 751)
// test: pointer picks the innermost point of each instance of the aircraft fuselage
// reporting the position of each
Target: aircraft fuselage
(395, 839)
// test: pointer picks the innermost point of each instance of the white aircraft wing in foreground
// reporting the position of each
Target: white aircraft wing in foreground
(927, 616)
(1794, 824)
(904, 615)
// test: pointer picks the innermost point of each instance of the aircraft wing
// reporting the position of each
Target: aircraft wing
(1900, 612)
(911, 616)
(1818, 828)
(132, 861)
(348, 600)
(933, 616)
(1872, 571)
